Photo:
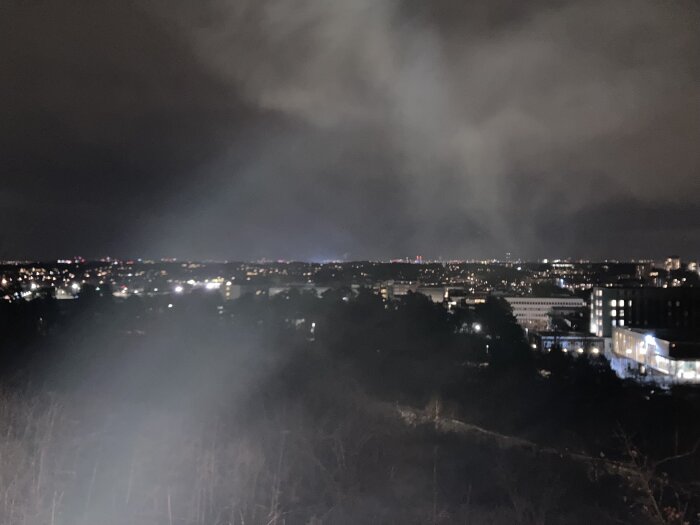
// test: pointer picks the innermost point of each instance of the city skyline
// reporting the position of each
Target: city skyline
(419, 259)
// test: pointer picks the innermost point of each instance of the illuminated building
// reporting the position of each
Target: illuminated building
(574, 342)
(534, 313)
(663, 355)
(648, 307)
(672, 263)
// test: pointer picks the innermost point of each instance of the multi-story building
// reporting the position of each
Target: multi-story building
(535, 313)
(647, 307)
(663, 355)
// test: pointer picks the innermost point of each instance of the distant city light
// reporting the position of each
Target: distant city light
(179, 289)
(75, 287)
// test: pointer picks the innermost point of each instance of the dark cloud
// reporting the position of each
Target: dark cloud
(327, 128)
(622, 228)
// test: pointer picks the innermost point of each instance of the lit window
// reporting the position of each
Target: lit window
(621, 303)
(614, 323)
(622, 313)
(613, 313)
(613, 303)
(622, 322)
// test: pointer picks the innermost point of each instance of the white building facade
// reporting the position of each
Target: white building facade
(659, 354)
(534, 313)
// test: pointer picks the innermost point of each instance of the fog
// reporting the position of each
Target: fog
(331, 129)
(319, 130)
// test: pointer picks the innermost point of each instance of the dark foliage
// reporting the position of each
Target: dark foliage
(298, 409)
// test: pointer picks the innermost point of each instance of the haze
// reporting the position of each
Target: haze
(330, 129)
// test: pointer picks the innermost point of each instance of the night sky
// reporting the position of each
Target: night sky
(349, 129)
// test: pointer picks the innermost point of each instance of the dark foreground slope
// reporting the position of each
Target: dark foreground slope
(335, 410)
